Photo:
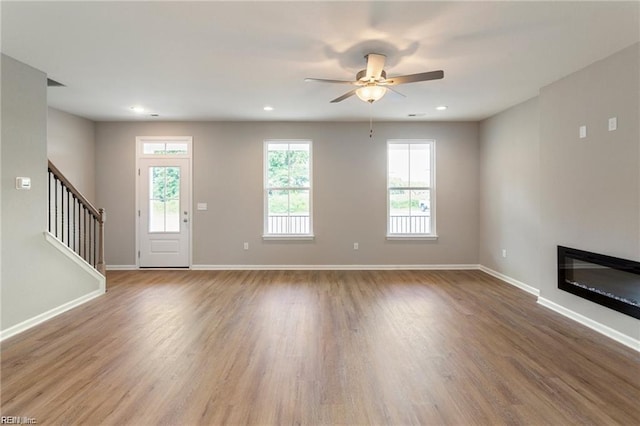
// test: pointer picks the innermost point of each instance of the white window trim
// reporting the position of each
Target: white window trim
(265, 201)
(433, 236)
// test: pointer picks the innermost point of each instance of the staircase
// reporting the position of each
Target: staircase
(74, 221)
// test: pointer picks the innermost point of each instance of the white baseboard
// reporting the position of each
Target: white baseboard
(31, 322)
(331, 267)
(509, 280)
(122, 267)
(594, 325)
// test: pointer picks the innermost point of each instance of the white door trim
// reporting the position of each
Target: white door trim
(139, 155)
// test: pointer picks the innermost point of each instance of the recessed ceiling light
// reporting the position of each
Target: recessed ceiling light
(268, 108)
(441, 107)
(137, 109)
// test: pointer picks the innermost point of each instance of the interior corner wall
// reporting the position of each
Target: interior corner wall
(71, 148)
(349, 192)
(590, 187)
(36, 278)
(510, 193)
(543, 186)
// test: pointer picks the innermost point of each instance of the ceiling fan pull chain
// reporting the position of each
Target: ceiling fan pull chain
(370, 119)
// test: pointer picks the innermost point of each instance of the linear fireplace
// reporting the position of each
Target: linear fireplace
(606, 280)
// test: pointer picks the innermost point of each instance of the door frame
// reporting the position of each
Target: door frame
(139, 154)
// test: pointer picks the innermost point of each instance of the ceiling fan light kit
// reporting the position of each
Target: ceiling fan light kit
(372, 82)
(371, 93)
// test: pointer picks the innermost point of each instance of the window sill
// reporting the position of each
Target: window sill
(288, 237)
(400, 237)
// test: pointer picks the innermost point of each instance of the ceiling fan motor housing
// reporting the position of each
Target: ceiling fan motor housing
(362, 76)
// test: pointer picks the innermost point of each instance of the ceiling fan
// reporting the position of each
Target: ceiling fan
(373, 82)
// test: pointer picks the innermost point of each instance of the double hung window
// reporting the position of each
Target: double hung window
(287, 188)
(411, 188)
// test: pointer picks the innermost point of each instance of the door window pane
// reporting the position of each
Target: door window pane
(156, 216)
(164, 199)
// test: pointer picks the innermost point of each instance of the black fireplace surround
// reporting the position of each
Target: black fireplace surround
(606, 280)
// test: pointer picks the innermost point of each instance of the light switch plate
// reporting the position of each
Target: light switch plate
(23, 183)
(613, 124)
(202, 206)
(582, 131)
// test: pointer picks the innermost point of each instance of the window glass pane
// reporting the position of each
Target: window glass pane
(165, 148)
(277, 168)
(153, 148)
(420, 203)
(278, 202)
(177, 148)
(156, 182)
(299, 168)
(399, 202)
(398, 157)
(278, 212)
(299, 202)
(172, 183)
(164, 199)
(278, 146)
(419, 165)
(172, 216)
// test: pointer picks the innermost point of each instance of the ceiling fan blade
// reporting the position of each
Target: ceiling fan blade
(395, 91)
(345, 96)
(325, 80)
(412, 78)
(375, 65)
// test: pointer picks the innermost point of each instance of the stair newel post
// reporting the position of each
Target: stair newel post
(101, 266)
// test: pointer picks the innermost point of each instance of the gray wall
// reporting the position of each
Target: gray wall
(35, 276)
(71, 148)
(542, 186)
(510, 192)
(590, 187)
(349, 199)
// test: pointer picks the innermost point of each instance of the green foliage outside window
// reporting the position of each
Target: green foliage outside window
(288, 169)
(166, 183)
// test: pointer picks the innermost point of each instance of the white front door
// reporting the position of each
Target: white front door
(164, 212)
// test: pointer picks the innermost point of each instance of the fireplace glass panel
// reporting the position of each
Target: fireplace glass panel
(606, 280)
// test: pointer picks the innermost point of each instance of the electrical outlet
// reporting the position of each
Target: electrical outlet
(613, 124)
(504, 252)
(582, 132)
(356, 246)
(246, 246)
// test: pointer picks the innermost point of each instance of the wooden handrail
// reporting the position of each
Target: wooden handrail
(93, 253)
(95, 212)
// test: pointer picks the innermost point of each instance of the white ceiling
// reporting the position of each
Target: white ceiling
(227, 60)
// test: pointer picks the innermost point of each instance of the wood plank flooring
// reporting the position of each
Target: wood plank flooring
(316, 347)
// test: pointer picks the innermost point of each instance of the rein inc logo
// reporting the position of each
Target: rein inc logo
(17, 420)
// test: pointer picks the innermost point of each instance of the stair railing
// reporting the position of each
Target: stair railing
(74, 221)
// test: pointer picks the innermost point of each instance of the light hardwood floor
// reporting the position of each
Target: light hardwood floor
(316, 347)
